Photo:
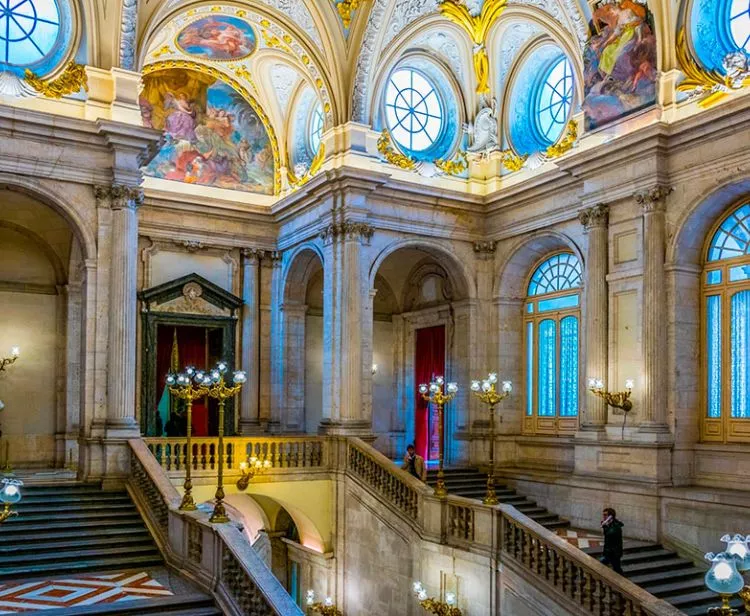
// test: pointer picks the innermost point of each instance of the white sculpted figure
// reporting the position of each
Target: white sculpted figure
(483, 132)
(737, 67)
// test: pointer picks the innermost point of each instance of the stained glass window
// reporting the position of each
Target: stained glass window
(552, 317)
(558, 273)
(414, 110)
(554, 100)
(739, 23)
(315, 128)
(28, 30)
(727, 328)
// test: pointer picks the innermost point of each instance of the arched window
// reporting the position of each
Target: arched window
(551, 331)
(719, 28)
(34, 34)
(739, 23)
(414, 110)
(541, 100)
(315, 129)
(726, 326)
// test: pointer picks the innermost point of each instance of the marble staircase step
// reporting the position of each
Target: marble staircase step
(30, 569)
(59, 555)
(647, 578)
(24, 519)
(40, 526)
(76, 540)
(66, 508)
(194, 604)
(662, 565)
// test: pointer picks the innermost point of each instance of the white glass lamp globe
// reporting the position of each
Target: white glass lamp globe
(737, 547)
(723, 577)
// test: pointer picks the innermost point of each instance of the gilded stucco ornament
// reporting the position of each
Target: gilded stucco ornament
(302, 175)
(512, 161)
(71, 80)
(456, 166)
(477, 27)
(711, 84)
(566, 143)
(346, 10)
(389, 153)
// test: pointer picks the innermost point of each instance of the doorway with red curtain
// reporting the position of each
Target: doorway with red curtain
(429, 363)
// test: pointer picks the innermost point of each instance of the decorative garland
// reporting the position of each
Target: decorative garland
(71, 80)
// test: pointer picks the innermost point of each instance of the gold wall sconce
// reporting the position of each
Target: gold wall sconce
(249, 469)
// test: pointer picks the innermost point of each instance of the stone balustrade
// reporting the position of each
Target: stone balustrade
(217, 557)
(501, 532)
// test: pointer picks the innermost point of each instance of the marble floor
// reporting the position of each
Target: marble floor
(581, 539)
(89, 589)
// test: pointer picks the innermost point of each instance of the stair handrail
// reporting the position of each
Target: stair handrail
(582, 579)
(241, 578)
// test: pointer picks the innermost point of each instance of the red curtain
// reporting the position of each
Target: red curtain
(430, 363)
(191, 349)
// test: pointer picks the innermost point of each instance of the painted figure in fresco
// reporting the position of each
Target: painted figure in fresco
(619, 62)
(218, 38)
(214, 136)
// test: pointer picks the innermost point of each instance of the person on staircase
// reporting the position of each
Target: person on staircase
(414, 464)
(612, 529)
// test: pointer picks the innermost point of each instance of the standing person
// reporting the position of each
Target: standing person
(414, 464)
(612, 529)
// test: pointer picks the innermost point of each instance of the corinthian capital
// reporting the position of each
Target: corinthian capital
(653, 199)
(122, 196)
(347, 230)
(594, 217)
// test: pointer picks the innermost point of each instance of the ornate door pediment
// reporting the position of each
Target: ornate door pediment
(191, 294)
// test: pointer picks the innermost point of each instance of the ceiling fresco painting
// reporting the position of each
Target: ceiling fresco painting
(219, 38)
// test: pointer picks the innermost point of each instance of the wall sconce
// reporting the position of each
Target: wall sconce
(374, 369)
(327, 608)
(618, 400)
(254, 466)
(15, 353)
(439, 608)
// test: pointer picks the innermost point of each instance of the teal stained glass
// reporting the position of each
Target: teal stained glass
(28, 30)
(732, 239)
(740, 354)
(547, 372)
(558, 303)
(739, 273)
(713, 342)
(569, 367)
(558, 273)
(529, 368)
(713, 277)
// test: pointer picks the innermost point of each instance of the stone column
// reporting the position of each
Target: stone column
(250, 354)
(653, 309)
(124, 202)
(344, 332)
(595, 221)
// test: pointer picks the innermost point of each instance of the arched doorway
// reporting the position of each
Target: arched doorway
(421, 330)
(41, 283)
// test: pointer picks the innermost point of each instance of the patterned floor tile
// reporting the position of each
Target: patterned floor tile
(78, 591)
(580, 539)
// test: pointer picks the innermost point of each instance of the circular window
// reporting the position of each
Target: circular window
(554, 99)
(315, 129)
(739, 23)
(414, 110)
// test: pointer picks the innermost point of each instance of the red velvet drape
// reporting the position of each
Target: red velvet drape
(191, 347)
(430, 362)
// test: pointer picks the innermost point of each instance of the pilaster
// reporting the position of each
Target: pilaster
(250, 353)
(654, 414)
(595, 221)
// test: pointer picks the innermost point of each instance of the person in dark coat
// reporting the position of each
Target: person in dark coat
(612, 529)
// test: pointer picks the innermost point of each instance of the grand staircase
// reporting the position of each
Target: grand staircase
(666, 575)
(471, 483)
(74, 529)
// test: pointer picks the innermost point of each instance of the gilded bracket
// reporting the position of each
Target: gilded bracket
(477, 27)
(71, 80)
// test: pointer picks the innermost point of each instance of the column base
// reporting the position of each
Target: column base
(252, 427)
(354, 428)
(653, 432)
(592, 432)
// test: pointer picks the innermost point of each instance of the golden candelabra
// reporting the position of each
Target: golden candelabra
(219, 390)
(486, 391)
(434, 606)
(326, 608)
(439, 393)
(188, 386)
(618, 399)
(15, 352)
(249, 469)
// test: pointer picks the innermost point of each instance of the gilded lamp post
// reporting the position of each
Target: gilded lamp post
(485, 390)
(188, 386)
(438, 393)
(219, 390)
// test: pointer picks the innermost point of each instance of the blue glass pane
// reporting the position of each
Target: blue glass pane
(558, 303)
(554, 99)
(547, 368)
(713, 351)
(740, 324)
(529, 308)
(557, 273)
(315, 129)
(732, 239)
(713, 277)
(569, 367)
(738, 273)
(529, 368)
(28, 30)
(413, 109)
